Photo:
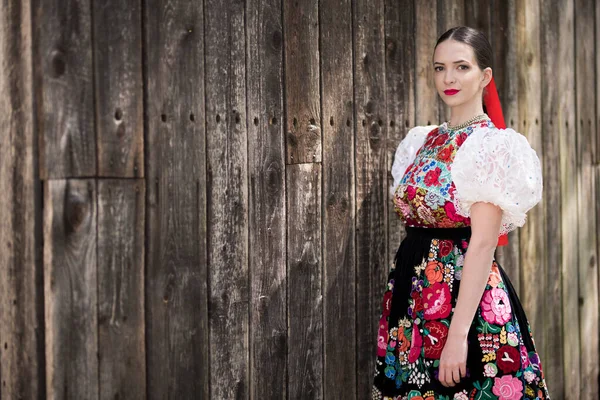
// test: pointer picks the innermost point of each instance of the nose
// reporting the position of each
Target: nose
(449, 77)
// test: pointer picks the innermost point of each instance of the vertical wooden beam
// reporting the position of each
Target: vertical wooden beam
(399, 93)
(305, 300)
(266, 210)
(339, 262)
(119, 107)
(426, 96)
(63, 72)
(553, 89)
(179, 363)
(531, 241)
(121, 328)
(21, 290)
(370, 181)
(70, 289)
(302, 89)
(587, 240)
(302, 104)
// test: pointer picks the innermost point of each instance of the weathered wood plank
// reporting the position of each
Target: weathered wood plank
(426, 96)
(371, 182)
(399, 91)
(70, 289)
(177, 317)
(339, 261)
(121, 328)
(119, 88)
(478, 15)
(304, 262)
(302, 101)
(503, 40)
(21, 289)
(64, 100)
(552, 90)
(227, 198)
(266, 210)
(587, 239)
(531, 239)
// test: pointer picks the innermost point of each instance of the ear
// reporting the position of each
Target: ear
(487, 77)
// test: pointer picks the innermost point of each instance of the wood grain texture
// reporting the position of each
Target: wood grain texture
(339, 257)
(399, 92)
(569, 211)
(70, 289)
(64, 101)
(588, 231)
(426, 96)
(119, 88)
(531, 237)
(227, 198)
(302, 85)
(176, 292)
(305, 282)
(21, 291)
(503, 40)
(268, 341)
(371, 182)
(121, 327)
(552, 115)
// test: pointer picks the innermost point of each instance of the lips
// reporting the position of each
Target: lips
(451, 92)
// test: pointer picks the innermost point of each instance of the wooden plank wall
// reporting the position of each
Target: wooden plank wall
(194, 195)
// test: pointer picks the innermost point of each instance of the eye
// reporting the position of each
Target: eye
(436, 68)
(462, 65)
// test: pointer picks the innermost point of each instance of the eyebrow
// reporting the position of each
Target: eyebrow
(455, 62)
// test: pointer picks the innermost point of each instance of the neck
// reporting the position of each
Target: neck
(464, 112)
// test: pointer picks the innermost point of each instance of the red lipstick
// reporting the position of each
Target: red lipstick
(451, 92)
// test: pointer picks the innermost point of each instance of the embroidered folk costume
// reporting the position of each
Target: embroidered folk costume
(439, 173)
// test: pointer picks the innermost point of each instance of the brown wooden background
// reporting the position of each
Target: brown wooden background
(194, 195)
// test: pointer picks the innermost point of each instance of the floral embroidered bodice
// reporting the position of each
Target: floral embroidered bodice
(439, 173)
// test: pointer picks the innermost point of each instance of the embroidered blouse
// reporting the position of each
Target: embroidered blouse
(440, 172)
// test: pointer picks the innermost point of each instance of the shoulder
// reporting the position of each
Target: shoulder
(498, 166)
(407, 150)
(415, 137)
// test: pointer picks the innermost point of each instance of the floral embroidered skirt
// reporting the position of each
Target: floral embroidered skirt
(502, 362)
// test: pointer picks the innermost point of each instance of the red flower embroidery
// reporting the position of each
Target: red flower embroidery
(411, 192)
(446, 153)
(433, 176)
(416, 345)
(387, 303)
(440, 139)
(460, 139)
(436, 301)
(452, 214)
(445, 247)
(418, 301)
(436, 338)
(508, 359)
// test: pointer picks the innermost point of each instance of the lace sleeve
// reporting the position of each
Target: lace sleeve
(497, 166)
(406, 152)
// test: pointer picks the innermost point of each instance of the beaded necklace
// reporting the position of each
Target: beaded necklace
(467, 123)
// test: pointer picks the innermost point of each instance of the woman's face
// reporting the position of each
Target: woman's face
(455, 68)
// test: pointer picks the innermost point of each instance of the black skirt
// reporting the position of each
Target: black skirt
(417, 308)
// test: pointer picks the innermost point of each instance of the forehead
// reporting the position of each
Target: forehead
(451, 50)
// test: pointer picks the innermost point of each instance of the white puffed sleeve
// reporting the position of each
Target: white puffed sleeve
(406, 152)
(497, 166)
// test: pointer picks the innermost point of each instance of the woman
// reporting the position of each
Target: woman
(452, 326)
